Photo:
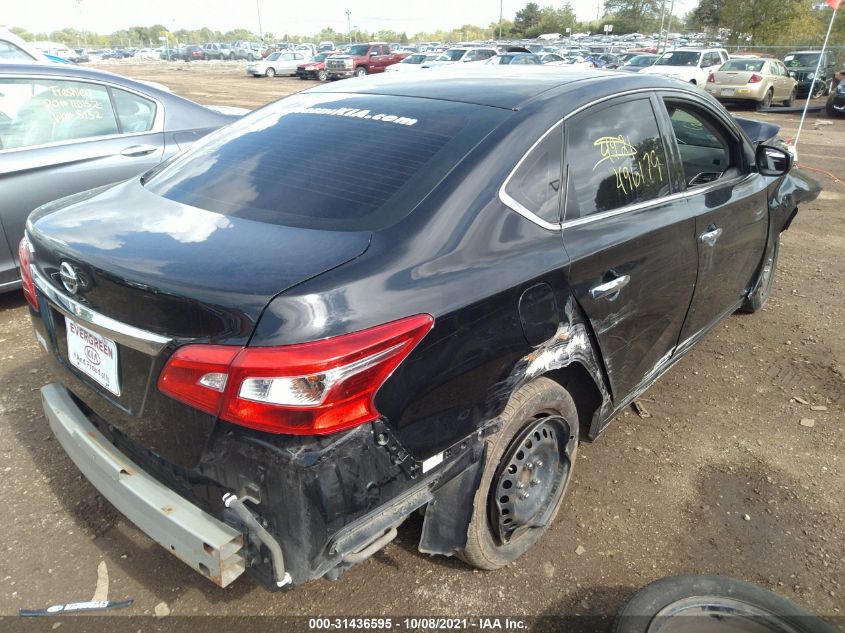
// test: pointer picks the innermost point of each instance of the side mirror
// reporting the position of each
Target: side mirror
(373, 53)
(773, 161)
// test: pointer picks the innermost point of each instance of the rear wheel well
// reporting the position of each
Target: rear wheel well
(582, 387)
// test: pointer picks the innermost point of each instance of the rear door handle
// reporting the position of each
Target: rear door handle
(610, 289)
(138, 150)
(711, 235)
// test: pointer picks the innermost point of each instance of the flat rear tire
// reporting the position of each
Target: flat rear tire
(529, 467)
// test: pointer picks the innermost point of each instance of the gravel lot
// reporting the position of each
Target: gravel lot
(722, 478)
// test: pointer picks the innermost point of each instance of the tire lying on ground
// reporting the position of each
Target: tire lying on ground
(719, 605)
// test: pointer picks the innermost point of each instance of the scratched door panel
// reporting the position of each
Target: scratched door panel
(624, 226)
(729, 203)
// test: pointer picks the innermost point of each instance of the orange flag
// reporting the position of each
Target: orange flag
(835, 4)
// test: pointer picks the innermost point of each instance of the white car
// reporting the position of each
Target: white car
(14, 49)
(278, 63)
(462, 54)
(411, 62)
(147, 53)
(692, 65)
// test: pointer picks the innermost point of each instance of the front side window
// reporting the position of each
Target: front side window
(40, 111)
(535, 185)
(616, 158)
(708, 151)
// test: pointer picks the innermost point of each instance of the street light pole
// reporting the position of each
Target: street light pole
(669, 22)
(660, 32)
(258, 10)
(501, 16)
(349, 24)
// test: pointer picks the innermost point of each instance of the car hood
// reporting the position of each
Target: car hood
(175, 269)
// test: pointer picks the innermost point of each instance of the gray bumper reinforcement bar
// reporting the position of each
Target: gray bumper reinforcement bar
(208, 545)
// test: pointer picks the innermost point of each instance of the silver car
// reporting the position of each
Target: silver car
(65, 129)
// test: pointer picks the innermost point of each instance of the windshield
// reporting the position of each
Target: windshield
(414, 59)
(452, 56)
(796, 60)
(335, 162)
(747, 65)
(320, 57)
(273, 56)
(678, 58)
(359, 49)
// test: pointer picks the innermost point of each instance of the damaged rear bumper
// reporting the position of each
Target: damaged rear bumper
(210, 546)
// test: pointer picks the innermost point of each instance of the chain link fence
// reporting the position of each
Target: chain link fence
(779, 50)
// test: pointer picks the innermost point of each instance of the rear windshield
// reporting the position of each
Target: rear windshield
(678, 58)
(327, 161)
(452, 55)
(641, 60)
(747, 65)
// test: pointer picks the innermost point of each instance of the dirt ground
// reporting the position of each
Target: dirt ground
(722, 478)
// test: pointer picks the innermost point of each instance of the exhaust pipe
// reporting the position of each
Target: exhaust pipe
(258, 532)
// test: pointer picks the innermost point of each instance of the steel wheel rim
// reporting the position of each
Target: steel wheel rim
(713, 614)
(532, 477)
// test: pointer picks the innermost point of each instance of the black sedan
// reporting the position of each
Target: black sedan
(395, 295)
(65, 129)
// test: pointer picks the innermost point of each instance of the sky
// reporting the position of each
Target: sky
(293, 17)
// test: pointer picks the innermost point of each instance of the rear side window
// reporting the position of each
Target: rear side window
(616, 158)
(328, 161)
(535, 184)
(136, 113)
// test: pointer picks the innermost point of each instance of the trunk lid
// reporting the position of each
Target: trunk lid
(732, 77)
(178, 270)
(157, 273)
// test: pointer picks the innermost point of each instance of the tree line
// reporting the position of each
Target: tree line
(753, 22)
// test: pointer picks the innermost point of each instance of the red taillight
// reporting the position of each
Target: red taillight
(711, 78)
(25, 257)
(197, 375)
(755, 78)
(310, 388)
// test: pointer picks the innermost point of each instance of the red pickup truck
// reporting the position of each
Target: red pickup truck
(362, 59)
